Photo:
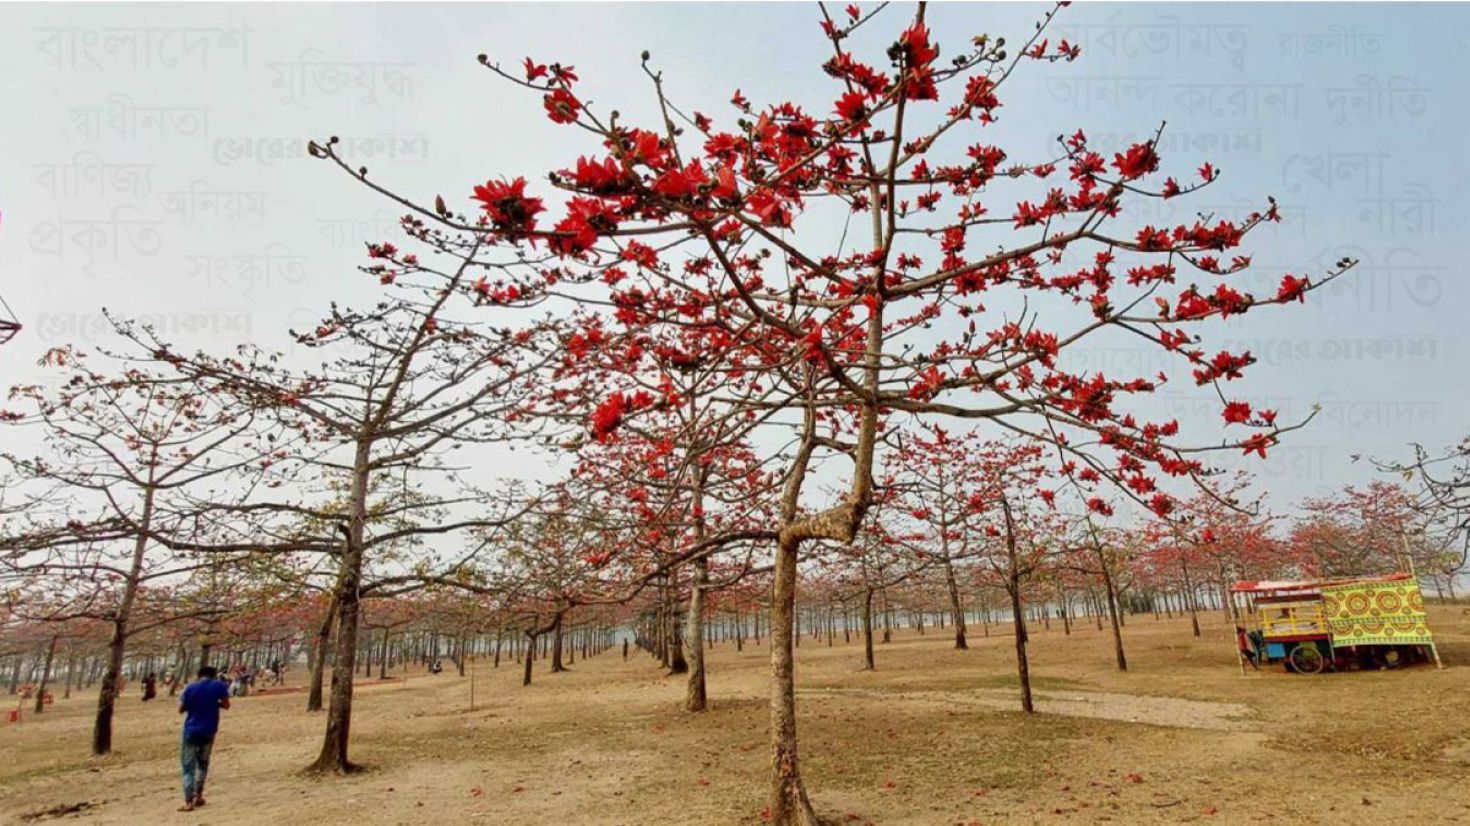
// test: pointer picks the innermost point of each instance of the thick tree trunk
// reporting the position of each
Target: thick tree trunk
(107, 696)
(678, 663)
(790, 805)
(1023, 668)
(319, 655)
(695, 697)
(333, 756)
(556, 647)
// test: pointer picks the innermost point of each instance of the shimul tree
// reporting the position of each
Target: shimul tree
(673, 489)
(870, 257)
(683, 484)
(404, 396)
(126, 450)
(1232, 539)
(1177, 559)
(1100, 552)
(550, 561)
(1441, 489)
(257, 610)
(881, 557)
(1359, 531)
(937, 475)
(48, 645)
(1025, 532)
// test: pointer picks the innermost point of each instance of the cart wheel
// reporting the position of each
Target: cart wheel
(1306, 659)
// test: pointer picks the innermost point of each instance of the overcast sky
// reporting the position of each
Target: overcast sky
(152, 161)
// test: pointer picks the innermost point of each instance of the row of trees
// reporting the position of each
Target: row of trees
(934, 574)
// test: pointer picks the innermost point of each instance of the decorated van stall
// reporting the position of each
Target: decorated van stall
(1340, 624)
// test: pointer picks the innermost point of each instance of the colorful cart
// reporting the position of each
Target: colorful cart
(1310, 627)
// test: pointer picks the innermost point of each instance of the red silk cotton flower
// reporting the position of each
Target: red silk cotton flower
(506, 204)
(562, 106)
(1140, 160)
(608, 416)
(1237, 412)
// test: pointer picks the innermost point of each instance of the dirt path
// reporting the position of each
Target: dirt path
(1172, 712)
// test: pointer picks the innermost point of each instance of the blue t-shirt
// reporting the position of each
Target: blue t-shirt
(200, 702)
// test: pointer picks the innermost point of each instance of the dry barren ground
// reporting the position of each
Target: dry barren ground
(932, 737)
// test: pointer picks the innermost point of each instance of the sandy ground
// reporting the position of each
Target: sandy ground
(934, 736)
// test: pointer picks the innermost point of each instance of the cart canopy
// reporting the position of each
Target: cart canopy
(1286, 586)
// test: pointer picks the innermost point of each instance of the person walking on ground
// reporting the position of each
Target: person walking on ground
(1248, 649)
(625, 650)
(200, 703)
(150, 687)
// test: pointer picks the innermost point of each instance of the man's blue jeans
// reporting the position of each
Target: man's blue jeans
(194, 752)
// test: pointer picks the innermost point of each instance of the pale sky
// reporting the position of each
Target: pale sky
(152, 161)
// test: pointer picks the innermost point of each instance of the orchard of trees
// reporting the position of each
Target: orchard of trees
(796, 372)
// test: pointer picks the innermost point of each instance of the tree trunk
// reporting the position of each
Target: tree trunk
(887, 619)
(868, 664)
(790, 805)
(530, 646)
(1023, 669)
(383, 658)
(695, 697)
(678, 663)
(333, 757)
(1115, 619)
(956, 608)
(45, 676)
(107, 697)
(1189, 597)
(556, 647)
(1018, 616)
(319, 655)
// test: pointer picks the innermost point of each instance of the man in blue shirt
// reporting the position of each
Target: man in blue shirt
(200, 703)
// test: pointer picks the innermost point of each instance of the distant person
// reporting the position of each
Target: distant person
(1247, 647)
(239, 683)
(436, 667)
(625, 649)
(200, 703)
(150, 687)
